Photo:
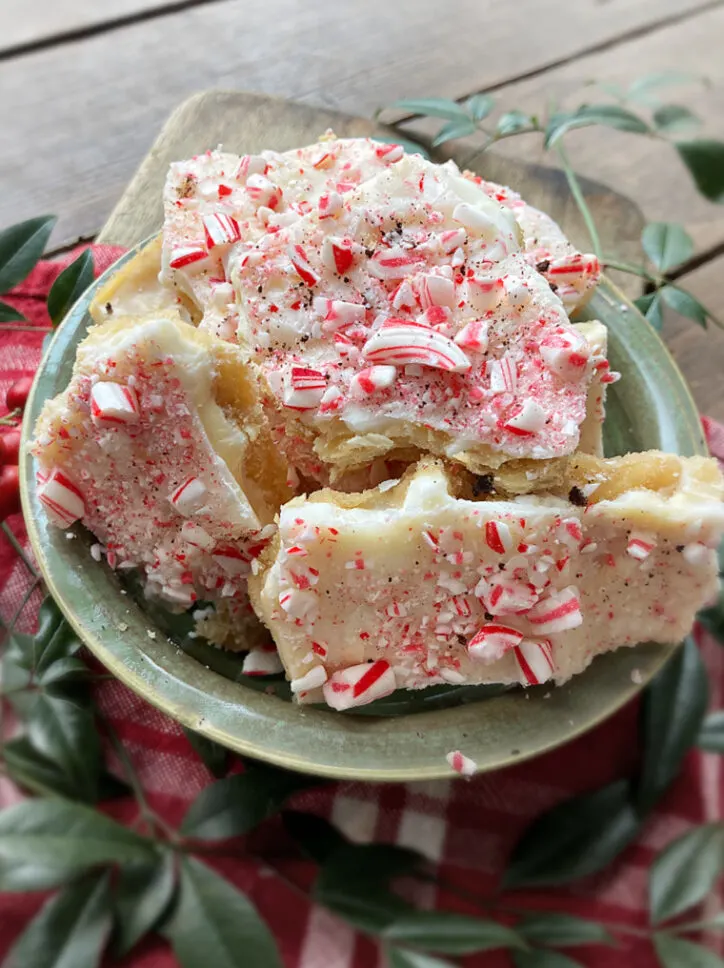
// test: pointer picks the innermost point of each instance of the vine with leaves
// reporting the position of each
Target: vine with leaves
(667, 245)
(114, 883)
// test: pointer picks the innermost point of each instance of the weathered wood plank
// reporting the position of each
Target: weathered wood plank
(27, 23)
(72, 153)
(645, 169)
(699, 352)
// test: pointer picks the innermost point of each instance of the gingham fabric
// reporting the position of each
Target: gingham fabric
(466, 827)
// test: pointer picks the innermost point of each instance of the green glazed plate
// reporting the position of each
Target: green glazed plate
(406, 736)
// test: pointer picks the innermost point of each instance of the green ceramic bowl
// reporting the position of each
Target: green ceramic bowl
(407, 736)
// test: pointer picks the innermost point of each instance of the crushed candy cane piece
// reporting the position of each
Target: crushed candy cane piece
(313, 679)
(461, 764)
(220, 229)
(534, 658)
(61, 499)
(558, 612)
(359, 684)
(492, 641)
(262, 662)
(113, 403)
(189, 496)
(640, 546)
(401, 342)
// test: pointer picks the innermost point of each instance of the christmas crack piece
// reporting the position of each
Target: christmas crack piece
(157, 446)
(408, 585)
(411, 320)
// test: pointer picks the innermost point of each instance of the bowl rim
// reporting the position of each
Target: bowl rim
(148, 687)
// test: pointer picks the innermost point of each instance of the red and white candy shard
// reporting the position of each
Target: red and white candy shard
(359, 684)
(262, 662)
(640, 546)
(400, 343)
(534, 658)
(221, 229)
(492, 642)
(61, 498)
(558, 612)
(113, 403)
(461, 764)
(314, 679)
(189, 496)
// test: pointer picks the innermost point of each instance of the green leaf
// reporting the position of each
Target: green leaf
(649, 305)
(69, 931)
(234, 806)
(20, 248)
(35, 772)
(411, 147)
(513, 122)
(63, 669)
(401, 958)
(69, 286)
(642, 89)
(214, 756)
(479, 106)
(684, 873)
(711, 734)
(677, 953)
(684, 304)
(674, 118)
(452, 934)
(711, 618)
(578, 837)
(215, 924)
(666, 244)
(143, 894)
(562, 929)
(543, 959)
(55, 639)
(318, 838)
(66, 733)
(452, 130)
(705, 160)
(433, 107)
(44, 842)
(8, 314)
(365, 900)
(610, 115)
(672, 711)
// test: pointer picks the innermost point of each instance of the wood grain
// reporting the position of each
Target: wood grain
(77, 119)
(646, 169)
(23, 23)
(699, 352)
(213, 117)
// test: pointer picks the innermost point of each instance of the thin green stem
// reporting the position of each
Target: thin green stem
(26, 598)
(492, 139)
(8, 327)
(19, 550)
(633, 270)
(150, 816)
(690, 927)
(580, 201)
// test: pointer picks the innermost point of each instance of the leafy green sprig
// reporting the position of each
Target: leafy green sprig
(666, 245)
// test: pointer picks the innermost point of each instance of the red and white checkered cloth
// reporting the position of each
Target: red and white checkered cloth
(467, 828)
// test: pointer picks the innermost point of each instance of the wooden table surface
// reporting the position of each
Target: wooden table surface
(86, 87)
